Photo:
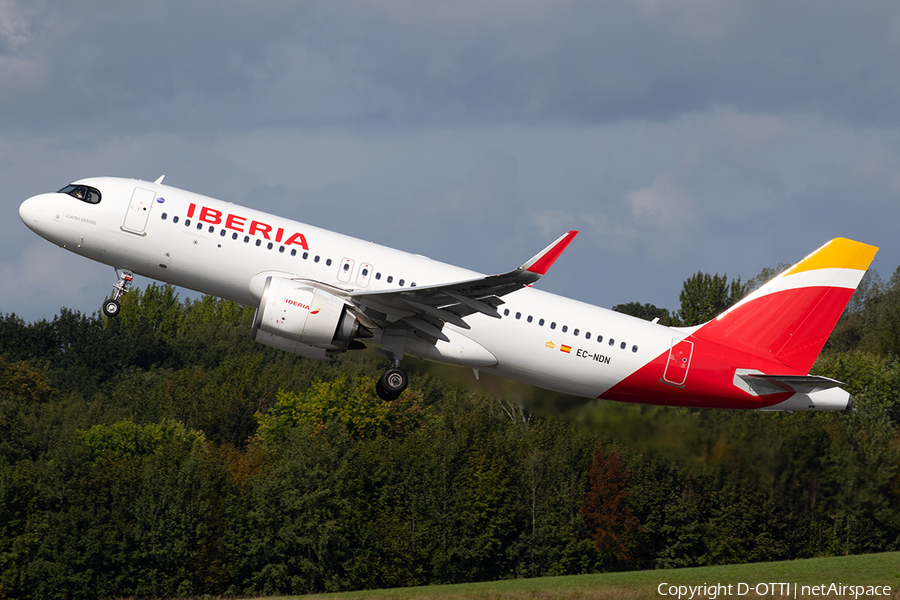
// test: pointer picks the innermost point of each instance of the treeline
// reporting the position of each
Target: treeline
(164, 454)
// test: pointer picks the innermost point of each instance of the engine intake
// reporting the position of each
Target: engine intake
(299, 312)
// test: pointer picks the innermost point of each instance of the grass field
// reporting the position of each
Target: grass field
(867, 570)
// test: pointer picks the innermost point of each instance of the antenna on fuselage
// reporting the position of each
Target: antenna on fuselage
(159, 181)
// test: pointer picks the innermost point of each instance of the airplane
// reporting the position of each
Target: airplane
(318, 292)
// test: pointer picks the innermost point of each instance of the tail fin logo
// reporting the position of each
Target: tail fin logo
(790, 317)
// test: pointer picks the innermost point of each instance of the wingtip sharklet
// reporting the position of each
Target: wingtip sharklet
(544, 259)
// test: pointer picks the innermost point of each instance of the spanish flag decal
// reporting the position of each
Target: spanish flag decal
(565, 348)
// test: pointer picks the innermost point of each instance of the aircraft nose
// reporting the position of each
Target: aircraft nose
(30, 211)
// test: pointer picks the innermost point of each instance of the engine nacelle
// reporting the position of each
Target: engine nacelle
(299, 312)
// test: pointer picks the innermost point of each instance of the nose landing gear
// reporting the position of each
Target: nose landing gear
(111, 306)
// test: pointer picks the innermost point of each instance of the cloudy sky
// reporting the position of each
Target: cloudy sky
(676, 135)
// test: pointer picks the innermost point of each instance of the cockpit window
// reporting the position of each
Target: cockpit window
(82, 192)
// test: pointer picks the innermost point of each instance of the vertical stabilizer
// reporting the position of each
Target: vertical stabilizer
(790, 317)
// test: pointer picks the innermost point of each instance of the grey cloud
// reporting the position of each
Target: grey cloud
(676, 134)
(175, 66)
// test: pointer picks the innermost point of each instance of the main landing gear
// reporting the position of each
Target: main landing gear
(392, 382)
(111, 306)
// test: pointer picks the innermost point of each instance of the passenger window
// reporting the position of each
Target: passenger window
(175, 219)
(575, 332)
(401, 283)
(518, 315)
(634, 348)
(165, 216)
(553, 325)
(587, 335)
(505, 312)
(612, 342)
(622, 345)
(378, 276)
(234, 236)
(316, 259)
(565, 328)
(187, 222)
(541, 322)
(530, 318)
(390, 278)
(328, 263)
(258, 243)
(599, 338)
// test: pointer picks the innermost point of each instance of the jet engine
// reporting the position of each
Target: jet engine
(302, 313)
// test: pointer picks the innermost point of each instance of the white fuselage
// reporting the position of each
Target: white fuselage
(226, 250)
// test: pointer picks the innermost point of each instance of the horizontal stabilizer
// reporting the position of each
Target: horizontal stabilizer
(760, 384)
(802, 384)
(806, 392)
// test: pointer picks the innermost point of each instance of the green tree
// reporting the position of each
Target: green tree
(119, 510)
(18, 379)
(349, 405)
(763, 277)
(648, 312)
(291, 529)
(705, 296)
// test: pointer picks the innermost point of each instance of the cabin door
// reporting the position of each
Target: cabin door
(138, 210)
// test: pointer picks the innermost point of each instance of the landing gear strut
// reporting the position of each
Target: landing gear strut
(111, 306)
(392, 382)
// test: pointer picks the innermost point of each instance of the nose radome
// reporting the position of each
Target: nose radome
(30, 211)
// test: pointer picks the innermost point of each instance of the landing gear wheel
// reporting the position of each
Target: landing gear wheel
(111, 308)
(392, 384)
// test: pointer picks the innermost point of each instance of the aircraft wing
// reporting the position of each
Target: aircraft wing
(426, 308)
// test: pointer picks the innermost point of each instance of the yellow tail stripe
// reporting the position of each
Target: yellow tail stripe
(839, 253)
